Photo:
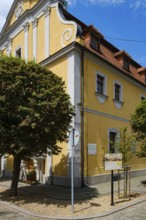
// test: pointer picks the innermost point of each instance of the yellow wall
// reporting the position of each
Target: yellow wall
(18, 41)
(40, 39)
(59, 67)
(28, 4)
(96, 126)
(131, 93)
(9, 163)
(57, 30)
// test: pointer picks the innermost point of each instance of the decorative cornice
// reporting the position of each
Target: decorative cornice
(19, 9)
(34, 22)
(26, 26)
(47, 11)
(106, 115)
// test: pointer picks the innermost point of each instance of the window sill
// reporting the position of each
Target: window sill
(118, 103)
(101, 97)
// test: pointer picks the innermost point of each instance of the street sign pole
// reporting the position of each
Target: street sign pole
(112, 188)
(72, 171)
(74, 135)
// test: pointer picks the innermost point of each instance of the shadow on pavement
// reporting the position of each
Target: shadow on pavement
(45, 194)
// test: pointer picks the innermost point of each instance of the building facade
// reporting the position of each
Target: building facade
(105, 85)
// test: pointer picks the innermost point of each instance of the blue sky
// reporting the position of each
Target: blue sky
(121, 19)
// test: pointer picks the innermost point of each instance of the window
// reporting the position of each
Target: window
(100, 84)
(112, 141)
(142, 98)
(117, 92)
(18, 53)
(101, 91)
(118, 95)
(94, 43)
(126, 64)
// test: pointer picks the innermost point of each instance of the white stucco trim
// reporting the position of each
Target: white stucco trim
(26, 40)
(67, 34)
(17, 48)
(34, 37)
(47, 31)
(106, 115)
(114, 130)
(8, 47)
(117, 103)
(74, 91)
(3, 161)
(101, 97)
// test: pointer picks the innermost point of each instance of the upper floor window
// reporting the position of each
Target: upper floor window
(18, 53)
(101, 87)
(126, 64)
(118, 94)
(100, 84)
(94, 43)
(143, 98)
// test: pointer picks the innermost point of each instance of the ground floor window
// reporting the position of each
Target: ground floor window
(112, 137)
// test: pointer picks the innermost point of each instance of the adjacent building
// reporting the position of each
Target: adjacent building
(105, 85)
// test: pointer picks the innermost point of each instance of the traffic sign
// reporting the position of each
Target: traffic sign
(74, 136)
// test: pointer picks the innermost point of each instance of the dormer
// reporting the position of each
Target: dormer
(142, 73)
(92, 37)
(123, 58)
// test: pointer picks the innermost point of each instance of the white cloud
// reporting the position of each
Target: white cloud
(71, 2)
(4, 8)
(109, 2)
(138, 4)
(95, 2)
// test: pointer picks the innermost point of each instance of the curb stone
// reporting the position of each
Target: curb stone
(114, 210)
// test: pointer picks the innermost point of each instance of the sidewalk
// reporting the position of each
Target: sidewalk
(88, 200)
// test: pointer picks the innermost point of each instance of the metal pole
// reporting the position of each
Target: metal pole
(72, 173)
(112, 188)
(118, 184)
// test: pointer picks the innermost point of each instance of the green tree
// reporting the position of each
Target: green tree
(35, 112)
(138, 125)
(125, 144)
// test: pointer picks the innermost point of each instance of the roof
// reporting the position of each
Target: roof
(108, 51)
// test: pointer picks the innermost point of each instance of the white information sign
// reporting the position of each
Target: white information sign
(113, 161)
(92, 149)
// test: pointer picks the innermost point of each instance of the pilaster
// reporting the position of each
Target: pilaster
(35, 27)
(46, 12)
(26, 40)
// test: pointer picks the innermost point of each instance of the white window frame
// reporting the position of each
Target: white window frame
(118, 103)
(113, 130)
(142, 97)
(101, 97)
(15, 52)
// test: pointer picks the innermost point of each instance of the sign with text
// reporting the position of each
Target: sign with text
(113, 161)
(92, 149)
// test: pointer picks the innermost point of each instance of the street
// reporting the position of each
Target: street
(136, 212)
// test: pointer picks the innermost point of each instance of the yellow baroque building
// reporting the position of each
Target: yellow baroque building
(105, 86)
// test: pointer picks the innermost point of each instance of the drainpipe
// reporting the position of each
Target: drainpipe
(82, 118)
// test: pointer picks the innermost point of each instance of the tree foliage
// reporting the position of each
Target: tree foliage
(35, 111)
(125, 144)
(138, 125)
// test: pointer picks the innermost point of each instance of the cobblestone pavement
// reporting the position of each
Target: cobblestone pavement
(7, 213)
(136, 212)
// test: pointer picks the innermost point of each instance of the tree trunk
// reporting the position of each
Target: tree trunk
(15, 177)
